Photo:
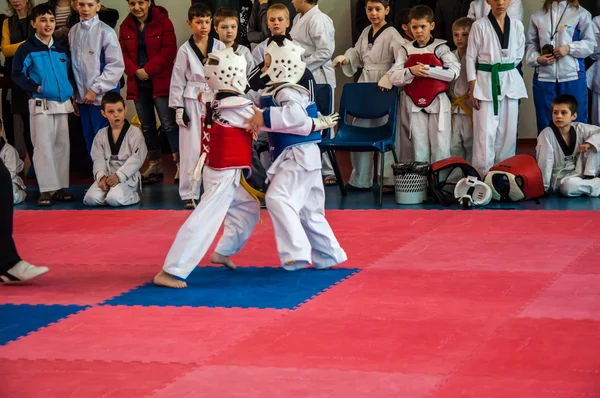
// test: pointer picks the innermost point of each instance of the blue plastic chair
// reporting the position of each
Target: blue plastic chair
(365, 101)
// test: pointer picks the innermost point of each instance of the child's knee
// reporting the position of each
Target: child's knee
(115, 196)
(570, 186)
(94, 198)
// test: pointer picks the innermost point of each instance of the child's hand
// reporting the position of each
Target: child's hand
(102, 184)
(112, 181)
(142, 74)
(256, 122)
(562, 51)
(474, 101)
(585, 147)
(420, 70)
(546, 60)
(254, 136)
(339, 61)
(90, 97)
(385, 83)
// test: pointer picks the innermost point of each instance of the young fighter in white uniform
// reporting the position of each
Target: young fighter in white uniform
(226, 154)
(187, 82)
(295, 198)
(567, 152)
(313, 30)
(118, 153)
(374, 52)
(496, 46)
(226, 26)
(461, 143)
(424, 68)
(480, 8)
(10, 157)
(278, 21)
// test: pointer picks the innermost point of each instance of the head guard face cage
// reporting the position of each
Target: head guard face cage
(444, 176)
(286, 65)
(470, 192)
(226, 70)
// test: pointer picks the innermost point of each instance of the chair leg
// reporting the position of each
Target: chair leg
(337, 172)
(395, 156)
(382, 166)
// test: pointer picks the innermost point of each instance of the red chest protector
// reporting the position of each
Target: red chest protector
(424, 90)
(226, 147)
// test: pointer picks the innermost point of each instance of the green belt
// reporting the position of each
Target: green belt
(495, 69)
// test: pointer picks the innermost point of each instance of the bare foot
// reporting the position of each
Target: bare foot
(217, 258)
(164, 279)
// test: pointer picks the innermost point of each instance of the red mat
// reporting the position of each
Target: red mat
(447, 304)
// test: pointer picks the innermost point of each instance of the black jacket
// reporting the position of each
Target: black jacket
(446, 12)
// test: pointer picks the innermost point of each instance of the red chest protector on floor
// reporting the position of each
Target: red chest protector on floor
(424, 90)
(517, 178)
(226, 147)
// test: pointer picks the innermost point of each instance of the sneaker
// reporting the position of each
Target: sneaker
(22, 272)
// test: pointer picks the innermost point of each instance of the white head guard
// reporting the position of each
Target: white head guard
(229, 74)
(471, 192)
(286, 65)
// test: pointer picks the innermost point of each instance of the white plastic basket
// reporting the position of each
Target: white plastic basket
(410, 182)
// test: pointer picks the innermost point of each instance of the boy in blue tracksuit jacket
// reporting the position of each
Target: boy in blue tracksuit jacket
(41, 67)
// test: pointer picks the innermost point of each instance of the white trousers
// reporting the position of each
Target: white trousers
(461, 142)
(224, 199)
(189, 148)
(494, 137)
(296, 202)
(429, 144)
(326, 165)
(595, 116)
(123, 194)
(577, 186)
(50, 138)
(19, 194)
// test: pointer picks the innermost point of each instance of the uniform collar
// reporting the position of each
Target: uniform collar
(40, 42)
(91, 22)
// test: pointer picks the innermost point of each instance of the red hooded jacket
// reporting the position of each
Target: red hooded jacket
(161, 46)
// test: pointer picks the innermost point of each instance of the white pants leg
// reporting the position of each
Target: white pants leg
(420, 137)
(19, 194)
(50, 137)
(506, 137)
(124, 194)
(326, 250)
(388, 172)
(439, 141)
(189, 148)
(461, 143)
(200, 229)
(95, 196)
(362, 169)
(577, 186)
(595, 119)
(326, 165)
(406, 150)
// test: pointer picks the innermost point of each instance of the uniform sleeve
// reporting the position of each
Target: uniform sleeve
(167, 52)
(354, 57)
(584, 47)
(139, 151)
(291, 116)
(258, 29)
(544, 153)
(515, 10)
(471, 56)
(596, 27)
(520, 43)
(471, 13)
(451, 69)
(532, 45)
(249, 60)
(11, 160)
(178, 79)
(113, 65)
(8, 49)
(323, 37)
(21, 63)
(590, 134)
(130, 66)
(399, 75)
(97, 153)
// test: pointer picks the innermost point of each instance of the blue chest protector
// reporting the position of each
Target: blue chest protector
(278, 142)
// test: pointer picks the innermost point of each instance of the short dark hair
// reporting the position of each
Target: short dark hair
(384, 3)
(421, 12)
(200, 10)
(112, 98)
(224, 13)
(566, 99)
(402, 18)
(41, 9)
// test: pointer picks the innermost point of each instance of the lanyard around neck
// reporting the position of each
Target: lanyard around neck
(558, 23)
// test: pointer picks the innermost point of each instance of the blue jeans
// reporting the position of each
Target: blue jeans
(144, 106)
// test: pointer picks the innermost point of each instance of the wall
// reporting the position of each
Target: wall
(340, 12)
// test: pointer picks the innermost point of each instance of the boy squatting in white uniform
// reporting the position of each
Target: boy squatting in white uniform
(569, 167)
(117, 160)
(10, 157)
(492, 55)
(425, 104)
(375, 53)
(296, 197)
(188, 81)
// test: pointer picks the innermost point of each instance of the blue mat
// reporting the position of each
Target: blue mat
(246, 287)
(19, 320)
